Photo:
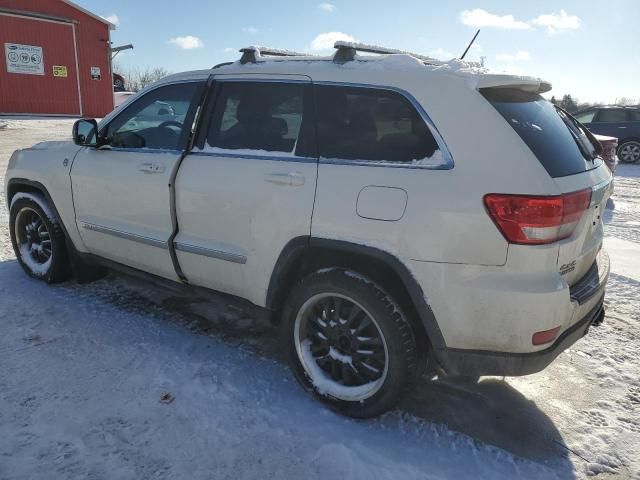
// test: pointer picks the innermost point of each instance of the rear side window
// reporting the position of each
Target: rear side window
(558, 142)
(634, 115)
(358, 123)
(260, 116)
(611, 115)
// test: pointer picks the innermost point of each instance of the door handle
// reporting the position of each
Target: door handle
(151, 167)
(293, 179)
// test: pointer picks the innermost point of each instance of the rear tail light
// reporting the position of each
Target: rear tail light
(535, 220)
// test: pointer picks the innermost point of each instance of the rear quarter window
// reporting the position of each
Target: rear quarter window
(544, 131)
(373, 125)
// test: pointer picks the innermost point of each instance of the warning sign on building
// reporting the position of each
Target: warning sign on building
(60, 71)
(25, 59)
(95, 73)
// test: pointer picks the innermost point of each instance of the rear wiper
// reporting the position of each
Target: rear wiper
(575, 124)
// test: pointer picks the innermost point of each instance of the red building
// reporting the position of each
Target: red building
(56, 59)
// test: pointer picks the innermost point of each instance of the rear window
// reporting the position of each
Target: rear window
(555, 139)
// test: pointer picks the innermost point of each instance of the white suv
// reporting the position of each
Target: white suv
(392, 211)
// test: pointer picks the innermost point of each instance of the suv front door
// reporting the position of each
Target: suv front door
(121, 190)
(248, 186)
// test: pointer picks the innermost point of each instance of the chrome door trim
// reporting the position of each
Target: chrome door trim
(277, 156)
(211, 253)
(154, 242)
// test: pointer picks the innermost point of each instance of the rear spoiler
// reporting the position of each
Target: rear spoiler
(528, 84)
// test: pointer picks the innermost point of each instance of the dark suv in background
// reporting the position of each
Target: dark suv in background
(620, 122)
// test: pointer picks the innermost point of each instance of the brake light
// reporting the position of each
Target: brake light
(535, 220)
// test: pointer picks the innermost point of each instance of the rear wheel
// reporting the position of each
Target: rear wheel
(38, 240)
(629, 151)
(349, 343)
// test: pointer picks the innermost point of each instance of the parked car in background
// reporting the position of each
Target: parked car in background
(609, 148)
(620, 122)
(118, 83)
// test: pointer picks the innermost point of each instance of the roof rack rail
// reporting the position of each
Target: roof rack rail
(346, 52)
(253, 53)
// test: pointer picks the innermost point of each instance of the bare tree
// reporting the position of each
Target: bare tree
(626, 101)
(137, 78)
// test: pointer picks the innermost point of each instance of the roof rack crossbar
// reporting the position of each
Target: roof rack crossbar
(253, 53)
(345, 51)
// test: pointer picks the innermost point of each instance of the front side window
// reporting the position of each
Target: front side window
(160, 119)
(585, 117)
(260, 117)
(358, 123)
(611, 115)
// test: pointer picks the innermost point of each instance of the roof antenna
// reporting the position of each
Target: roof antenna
(470, 43)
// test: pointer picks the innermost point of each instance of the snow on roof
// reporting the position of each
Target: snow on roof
(477, 77)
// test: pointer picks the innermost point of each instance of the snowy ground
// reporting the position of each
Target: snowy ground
(83, 367)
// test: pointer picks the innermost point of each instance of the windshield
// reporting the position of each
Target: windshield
(559, 142)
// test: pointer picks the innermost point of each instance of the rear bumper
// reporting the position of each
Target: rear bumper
(488, 329)
(482, 362)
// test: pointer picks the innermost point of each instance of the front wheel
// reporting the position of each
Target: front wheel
(629, 151)
(349, 342)
(37, 238)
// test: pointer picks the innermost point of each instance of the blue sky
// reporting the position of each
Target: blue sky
(587, 48)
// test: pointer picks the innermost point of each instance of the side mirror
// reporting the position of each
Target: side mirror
(85, 132)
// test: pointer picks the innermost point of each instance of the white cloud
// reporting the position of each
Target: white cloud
(250, 30)
(553, 22)
(187, 42)
(327, 7)
(441, 53)
(481, 18)
(325, 41)
(556, 22)
(511, 57)
(113, 18)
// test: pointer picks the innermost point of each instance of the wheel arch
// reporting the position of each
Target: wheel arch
(304, 255)
(22, 185)
(632, 138)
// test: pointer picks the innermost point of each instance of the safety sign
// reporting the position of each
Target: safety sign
(25, 59)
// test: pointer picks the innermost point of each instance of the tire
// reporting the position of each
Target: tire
(363, 359)
(118, 85)
(38, 240)
(629, 151)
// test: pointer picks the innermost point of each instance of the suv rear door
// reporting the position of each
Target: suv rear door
(248, 186)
